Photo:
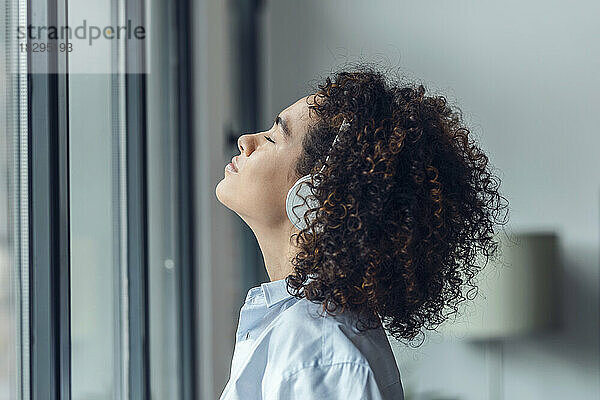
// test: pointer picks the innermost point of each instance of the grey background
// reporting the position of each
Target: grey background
(525, 75)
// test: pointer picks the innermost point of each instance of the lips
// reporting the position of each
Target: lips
(232, 166)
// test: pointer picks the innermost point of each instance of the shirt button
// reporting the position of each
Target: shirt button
(247, 334)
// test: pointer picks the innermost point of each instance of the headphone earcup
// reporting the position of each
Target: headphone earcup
(295, 206)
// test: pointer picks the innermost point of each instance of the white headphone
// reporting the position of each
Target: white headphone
(295, 206)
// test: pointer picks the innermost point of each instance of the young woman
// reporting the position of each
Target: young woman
(395, 200)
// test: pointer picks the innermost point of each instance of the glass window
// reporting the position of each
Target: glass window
(107, 156)
(105, 327)
(14, 268)
(99, 336)
(95, 262)
(162, 181)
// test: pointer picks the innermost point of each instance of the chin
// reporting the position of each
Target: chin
(249, 205)
(227, 195)
(220, 192)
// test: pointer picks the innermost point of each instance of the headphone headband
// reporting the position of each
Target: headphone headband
(300, 191)
(343, 127)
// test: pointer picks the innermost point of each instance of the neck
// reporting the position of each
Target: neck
(277, 249)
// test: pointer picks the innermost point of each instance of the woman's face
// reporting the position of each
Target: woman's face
(256, 187)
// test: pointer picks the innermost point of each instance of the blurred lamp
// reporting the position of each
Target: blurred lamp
(517, 292)
(517, 295)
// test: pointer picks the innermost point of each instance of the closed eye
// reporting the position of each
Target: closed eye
(269, 139)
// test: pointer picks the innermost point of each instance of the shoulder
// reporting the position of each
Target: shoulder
(308, 340)
(343, 380)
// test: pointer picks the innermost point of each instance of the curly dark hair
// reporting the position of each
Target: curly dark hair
(408, 202)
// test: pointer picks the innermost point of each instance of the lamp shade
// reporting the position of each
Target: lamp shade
(517, 292)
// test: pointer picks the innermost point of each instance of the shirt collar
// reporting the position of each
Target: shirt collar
(276, 291)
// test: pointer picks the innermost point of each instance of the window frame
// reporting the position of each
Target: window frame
(185, 200)
(48, 208)
(49, 292)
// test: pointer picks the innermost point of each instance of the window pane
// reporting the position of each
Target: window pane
(95, 128)
(163, 321)
(105, 348)
(94, 270)
(7, 312)
(14, 269)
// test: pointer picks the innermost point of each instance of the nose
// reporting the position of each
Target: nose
(246, 144)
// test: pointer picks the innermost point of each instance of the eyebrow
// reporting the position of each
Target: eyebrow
(284, 126)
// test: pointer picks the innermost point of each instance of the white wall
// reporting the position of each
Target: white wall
(526, 76)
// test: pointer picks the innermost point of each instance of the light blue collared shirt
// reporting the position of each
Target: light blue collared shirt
(285, 350)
